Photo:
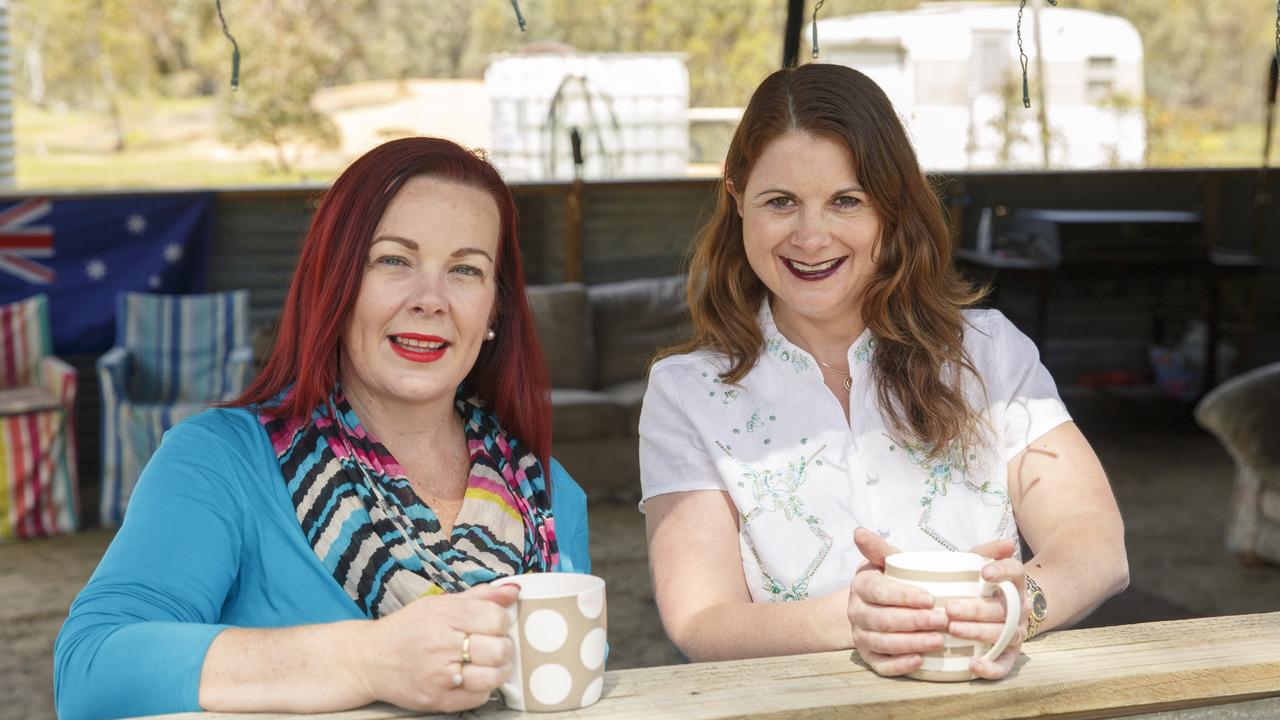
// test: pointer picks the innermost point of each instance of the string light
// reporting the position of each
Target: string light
(818, 6)
(235, 49)
(1022, 55)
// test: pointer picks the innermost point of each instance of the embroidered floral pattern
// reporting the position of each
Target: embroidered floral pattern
(950, 469)
(778, 491)
(862, 353)
(786, 352)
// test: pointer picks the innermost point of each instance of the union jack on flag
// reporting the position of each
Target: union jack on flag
(20, 241)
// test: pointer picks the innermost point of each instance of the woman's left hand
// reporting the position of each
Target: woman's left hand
(982, 619)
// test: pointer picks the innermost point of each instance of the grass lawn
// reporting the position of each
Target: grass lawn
(167, 143)
(176, 143)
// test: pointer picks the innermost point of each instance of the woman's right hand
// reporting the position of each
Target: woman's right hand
(893, 623)
(409, 658)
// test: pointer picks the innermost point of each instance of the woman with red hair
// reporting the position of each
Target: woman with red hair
(327, 540)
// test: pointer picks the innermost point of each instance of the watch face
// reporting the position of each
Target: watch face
(1039, 605)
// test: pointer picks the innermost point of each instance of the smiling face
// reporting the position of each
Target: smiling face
(809, 230)
(426, 298)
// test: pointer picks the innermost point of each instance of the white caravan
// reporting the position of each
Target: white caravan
(952, 71)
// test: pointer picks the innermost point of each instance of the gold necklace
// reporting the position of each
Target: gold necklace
(848, 377)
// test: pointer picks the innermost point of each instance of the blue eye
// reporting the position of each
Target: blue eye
(391, 260)
(468, 270)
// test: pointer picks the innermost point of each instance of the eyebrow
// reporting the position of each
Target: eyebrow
(851, 188)
(463, 252)
(395, 239)
(413, 245)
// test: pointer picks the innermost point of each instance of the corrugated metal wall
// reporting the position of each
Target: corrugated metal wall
(6, 101)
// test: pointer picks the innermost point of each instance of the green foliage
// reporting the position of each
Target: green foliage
(1205, 59)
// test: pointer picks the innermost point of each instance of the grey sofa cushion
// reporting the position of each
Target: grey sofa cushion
(632, 320)
(563, 320)
(586, 415)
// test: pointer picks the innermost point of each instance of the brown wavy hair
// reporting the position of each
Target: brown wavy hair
(913, 303)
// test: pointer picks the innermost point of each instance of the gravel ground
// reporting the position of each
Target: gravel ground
(1172, 480)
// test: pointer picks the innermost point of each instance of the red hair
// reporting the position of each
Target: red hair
(510, 374)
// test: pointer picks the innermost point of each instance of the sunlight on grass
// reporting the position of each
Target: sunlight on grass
(175, 143)
(168, 143)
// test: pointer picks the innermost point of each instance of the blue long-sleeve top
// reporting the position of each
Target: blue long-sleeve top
(211, 541)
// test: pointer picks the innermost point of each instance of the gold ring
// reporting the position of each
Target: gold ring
(466, 648)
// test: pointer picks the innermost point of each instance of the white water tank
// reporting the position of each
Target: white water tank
(630, 108)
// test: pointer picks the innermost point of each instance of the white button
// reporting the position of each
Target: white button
(884, 531)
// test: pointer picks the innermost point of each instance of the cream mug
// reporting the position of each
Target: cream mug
(558, 626)
(949, 576)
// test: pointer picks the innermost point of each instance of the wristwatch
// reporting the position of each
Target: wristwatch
(1039, 607)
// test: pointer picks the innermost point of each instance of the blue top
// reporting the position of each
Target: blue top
(210, 541)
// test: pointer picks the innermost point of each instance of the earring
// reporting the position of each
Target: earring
(490, 335)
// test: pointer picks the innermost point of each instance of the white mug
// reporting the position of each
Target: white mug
(948, 576)
(559, 628)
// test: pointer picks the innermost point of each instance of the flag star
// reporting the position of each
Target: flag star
(95, 269)
(172, 253)
(136, 224)
(154, 282)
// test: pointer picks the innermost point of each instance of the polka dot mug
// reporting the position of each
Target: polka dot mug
(559, 629)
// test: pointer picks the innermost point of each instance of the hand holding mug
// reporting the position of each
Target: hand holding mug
(413, 658)
(894, 624)
(983, 618)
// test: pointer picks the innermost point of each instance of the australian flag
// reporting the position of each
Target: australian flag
(81, 252)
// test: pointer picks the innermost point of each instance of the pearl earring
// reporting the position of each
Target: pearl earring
(490, 335)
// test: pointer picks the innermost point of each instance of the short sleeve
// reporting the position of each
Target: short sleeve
(1025, 402)
(569, 508)
(673, 454)
(135, 639)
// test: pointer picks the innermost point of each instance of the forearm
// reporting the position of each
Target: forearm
(299, 669)
(1079, 566)
(749, 629)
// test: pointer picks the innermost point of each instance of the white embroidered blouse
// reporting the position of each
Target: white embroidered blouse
(802, 477)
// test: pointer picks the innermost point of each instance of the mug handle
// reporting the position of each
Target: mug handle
(1013, 614)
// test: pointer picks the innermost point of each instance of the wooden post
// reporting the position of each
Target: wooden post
(573, 214)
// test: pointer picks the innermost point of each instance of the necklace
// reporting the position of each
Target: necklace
(848, 377)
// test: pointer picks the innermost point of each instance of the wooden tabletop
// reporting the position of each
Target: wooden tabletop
(1095, 673)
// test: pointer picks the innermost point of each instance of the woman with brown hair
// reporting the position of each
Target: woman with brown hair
(839, 399)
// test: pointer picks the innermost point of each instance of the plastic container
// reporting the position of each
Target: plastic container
(632, 111)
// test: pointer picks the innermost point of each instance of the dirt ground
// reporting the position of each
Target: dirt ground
(1172, 481)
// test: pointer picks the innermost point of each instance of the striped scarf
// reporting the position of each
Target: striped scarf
(382, 544)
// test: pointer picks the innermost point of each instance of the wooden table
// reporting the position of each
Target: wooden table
(1096, 673)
